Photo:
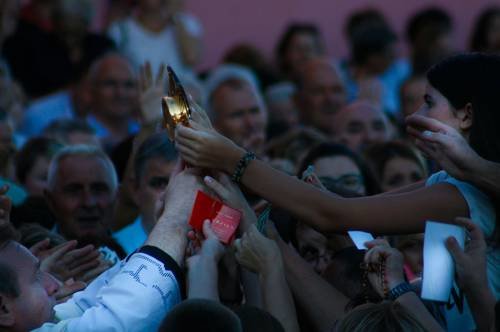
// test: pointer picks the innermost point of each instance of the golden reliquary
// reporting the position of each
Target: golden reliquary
(175, 105)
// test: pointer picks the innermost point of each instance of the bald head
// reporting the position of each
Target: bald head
(114, 90)
(320, 94)
(360, 124)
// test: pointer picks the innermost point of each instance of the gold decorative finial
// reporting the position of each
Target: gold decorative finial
(175, 105)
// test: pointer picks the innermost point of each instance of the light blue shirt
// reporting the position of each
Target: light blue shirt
(16, 193)
(391, 81)
(132, 236)
(103, 133)
(44, 111)
(482, 212)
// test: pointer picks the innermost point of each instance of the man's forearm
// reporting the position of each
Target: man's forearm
(170, 235)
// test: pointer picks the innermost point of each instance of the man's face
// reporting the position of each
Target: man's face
(35, 305)
(321, 96)
(114, 93)
(83, 196)
(150, 187)
(239, 116)
(359, 125)
(313, 247)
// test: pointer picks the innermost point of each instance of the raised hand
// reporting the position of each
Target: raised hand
(198, 114)
(65, 262)
(232, 196)
(209, 246)
(206, 148)
(470, 264)
(202, 265)
(385, 266)
(151, 92)
(180, 194)
(443, 144)
(470, 270)
(256, 252)
(67, 289)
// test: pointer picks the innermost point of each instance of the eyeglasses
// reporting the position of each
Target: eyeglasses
(351, 181)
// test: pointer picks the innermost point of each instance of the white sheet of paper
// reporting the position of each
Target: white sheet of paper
(359, 238)
(439, 268)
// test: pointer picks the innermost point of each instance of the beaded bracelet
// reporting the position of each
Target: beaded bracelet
(242, 166)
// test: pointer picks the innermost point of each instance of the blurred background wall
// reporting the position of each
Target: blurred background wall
(260, 22)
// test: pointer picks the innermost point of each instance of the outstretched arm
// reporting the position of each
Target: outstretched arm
(395, 213)
(405, 212)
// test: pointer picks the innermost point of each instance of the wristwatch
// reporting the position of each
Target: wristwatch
(399, 290)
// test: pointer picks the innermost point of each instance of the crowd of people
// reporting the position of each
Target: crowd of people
(96, 197)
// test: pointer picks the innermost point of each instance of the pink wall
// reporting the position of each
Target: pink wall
(260, 22)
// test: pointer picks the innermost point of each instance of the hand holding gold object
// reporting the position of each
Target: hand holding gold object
(175, 105)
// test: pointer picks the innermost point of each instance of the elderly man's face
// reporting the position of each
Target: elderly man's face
(82, 197)
(321, 96)
(114, 92)
(35, 304)
(360, 124)
(239, 116)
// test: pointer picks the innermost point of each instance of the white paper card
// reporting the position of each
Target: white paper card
(439, 268)
(359, 238)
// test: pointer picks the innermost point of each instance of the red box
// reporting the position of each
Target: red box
(225, 220)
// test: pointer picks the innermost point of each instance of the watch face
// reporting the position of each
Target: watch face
(175, 105)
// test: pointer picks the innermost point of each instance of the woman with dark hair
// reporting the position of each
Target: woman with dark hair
(462, 92)
(299, 43)
(338, 167)
(486, 32)
(395, 164)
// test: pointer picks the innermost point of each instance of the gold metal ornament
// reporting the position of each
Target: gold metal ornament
(175, 105)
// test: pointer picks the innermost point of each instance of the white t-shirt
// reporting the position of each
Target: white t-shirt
(139, 44)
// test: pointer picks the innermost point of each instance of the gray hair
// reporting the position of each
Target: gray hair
(80, 150)
(230, 72)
